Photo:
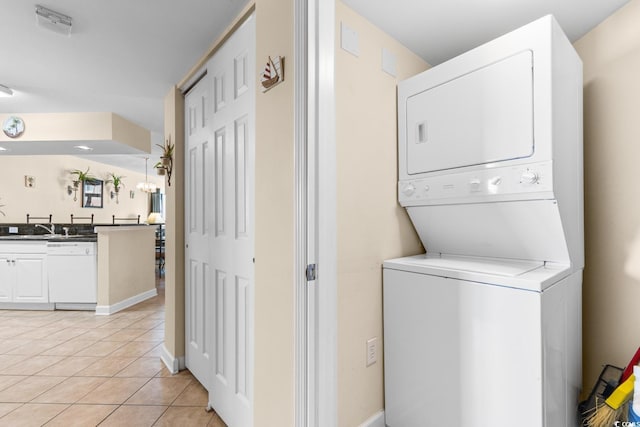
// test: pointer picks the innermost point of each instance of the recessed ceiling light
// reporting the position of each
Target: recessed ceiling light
(5, 91)
(83, 147)
(54, 21)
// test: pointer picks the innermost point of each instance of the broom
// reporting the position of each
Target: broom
(605, 415)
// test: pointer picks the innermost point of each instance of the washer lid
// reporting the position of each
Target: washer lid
(496, 267)
(520, 274)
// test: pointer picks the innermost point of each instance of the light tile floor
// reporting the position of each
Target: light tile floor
(73, 368)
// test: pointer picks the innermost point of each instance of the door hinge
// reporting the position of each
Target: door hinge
(311, 272)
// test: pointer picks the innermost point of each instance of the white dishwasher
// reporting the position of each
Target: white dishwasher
(72, 268)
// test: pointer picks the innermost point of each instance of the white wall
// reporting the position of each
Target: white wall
(49, 195)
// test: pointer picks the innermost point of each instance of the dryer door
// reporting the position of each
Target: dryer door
(480, 117)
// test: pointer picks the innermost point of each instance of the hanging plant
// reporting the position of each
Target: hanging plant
(167, 151)
(165, 165)
(116, 180)
(160, 168)
(81, 176)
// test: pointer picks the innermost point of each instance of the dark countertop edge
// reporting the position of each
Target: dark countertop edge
(35, 238)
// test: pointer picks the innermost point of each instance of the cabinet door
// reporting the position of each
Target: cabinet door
(31, 283)
(6, 278)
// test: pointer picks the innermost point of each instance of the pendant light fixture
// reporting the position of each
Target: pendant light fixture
(146, 186)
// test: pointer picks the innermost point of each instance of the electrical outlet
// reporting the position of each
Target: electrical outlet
(372, 351)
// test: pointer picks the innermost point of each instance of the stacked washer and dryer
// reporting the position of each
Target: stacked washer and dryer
(485, 328)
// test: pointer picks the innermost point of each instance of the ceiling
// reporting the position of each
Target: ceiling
(438, 30)
(123, 56)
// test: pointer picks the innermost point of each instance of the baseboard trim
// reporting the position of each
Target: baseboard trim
(105, 310)
(173, 364)
(75, 306)
(377, 420)
(26, 306)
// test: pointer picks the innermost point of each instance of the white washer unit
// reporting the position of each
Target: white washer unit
(485, 329)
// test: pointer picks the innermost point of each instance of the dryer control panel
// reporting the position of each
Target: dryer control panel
(521, 182)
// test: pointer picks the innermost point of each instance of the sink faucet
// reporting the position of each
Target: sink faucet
(51, 229)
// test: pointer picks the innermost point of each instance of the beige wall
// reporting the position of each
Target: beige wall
(49, 195)
(81, 127)
(174, 232)
(372, 226)
(121, 274)
(611, 290)
(274, 283)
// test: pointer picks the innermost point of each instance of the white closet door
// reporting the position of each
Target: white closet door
(232, 73)
(198, 231)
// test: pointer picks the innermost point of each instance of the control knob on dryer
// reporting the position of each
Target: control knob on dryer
(529, 177)
(408, 190)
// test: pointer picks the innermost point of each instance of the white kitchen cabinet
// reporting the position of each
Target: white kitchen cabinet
(31, 278)
(6, 278)
(23, 272)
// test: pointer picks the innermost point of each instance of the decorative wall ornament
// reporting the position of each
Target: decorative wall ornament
(92, 193)
(165, 165)
(13, 126)
(29, 181)
(273, 73)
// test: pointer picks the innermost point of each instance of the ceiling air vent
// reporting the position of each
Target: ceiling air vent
(54, 21)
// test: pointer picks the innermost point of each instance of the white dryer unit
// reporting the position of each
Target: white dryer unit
(485, 329)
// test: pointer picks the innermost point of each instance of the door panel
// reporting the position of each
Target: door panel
(198, 296)
(232, 245)
(220, 244)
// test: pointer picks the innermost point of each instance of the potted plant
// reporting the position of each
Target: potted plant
(116, 180)
(81, 176)
(167, 152)
(160, 168)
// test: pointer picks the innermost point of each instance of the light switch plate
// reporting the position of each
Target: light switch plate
(349, 39)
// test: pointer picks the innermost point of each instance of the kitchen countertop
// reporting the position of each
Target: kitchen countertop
(50, 237)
